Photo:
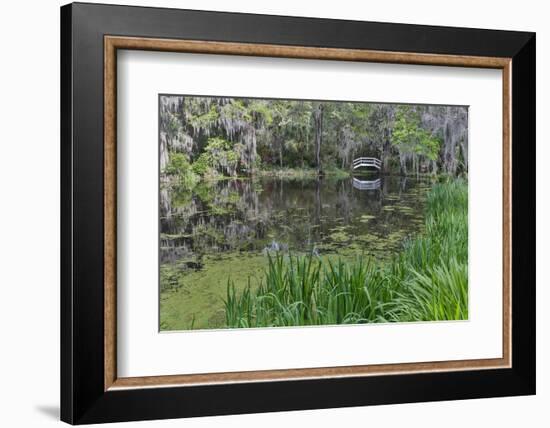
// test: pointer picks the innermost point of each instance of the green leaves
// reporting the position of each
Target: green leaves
(219, 156)
(206, 119)
(180, 170)
(427, 281)
(178, 163)
(278, 132)
(410, 137)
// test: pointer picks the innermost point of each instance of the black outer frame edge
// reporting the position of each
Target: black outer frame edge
(66, 306)
(82, 397)
(524, 213)
(299, 31)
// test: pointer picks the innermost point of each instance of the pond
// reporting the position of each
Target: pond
(226, 229)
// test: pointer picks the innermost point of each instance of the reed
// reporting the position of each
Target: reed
(426, 281)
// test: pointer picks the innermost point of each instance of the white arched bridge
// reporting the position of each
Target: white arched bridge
(366, 184)
(367, 162)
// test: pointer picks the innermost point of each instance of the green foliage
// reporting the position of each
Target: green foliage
(179, 168)
(427, 281)
(177, 164)
(303, 291)
(202, 165)
(410, 137)
(219, 156)
(260, 109)
(283, 133)
(433, 268)
(204, 120)
(174, 126)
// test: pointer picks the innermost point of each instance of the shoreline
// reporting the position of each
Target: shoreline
(309, 174)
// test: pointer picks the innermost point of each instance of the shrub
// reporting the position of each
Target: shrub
(180, 169)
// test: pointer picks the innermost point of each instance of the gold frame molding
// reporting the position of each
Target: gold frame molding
(113, 43)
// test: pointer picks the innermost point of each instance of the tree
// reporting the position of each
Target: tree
(318, 134)
(380, 125)
(413, 142)
(318, 129)
(450, 124)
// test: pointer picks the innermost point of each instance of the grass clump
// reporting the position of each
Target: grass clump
(426, 281)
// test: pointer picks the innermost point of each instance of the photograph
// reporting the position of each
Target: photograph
(243, 214)
(293, 213)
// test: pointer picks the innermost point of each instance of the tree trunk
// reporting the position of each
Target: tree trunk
(434, 167)
(318, 120)
(386, 155)
(402, 165)
(250, 149)
(281, 152)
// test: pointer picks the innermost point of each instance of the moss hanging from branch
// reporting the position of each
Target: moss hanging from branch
(266, 134)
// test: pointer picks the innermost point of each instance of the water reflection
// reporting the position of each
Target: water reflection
(320, 215)
(361, 184)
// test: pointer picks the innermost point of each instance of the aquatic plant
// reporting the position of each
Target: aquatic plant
(426, 281)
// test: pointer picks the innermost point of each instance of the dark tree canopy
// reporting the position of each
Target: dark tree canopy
(239, 136)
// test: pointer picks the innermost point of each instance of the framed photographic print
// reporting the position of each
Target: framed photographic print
(264, 213)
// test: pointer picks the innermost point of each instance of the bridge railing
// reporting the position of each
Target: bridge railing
(366, 184)
(367, 161)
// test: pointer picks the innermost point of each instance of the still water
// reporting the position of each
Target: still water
(224, 230)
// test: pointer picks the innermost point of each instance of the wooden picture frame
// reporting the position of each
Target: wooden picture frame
(91, 390)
